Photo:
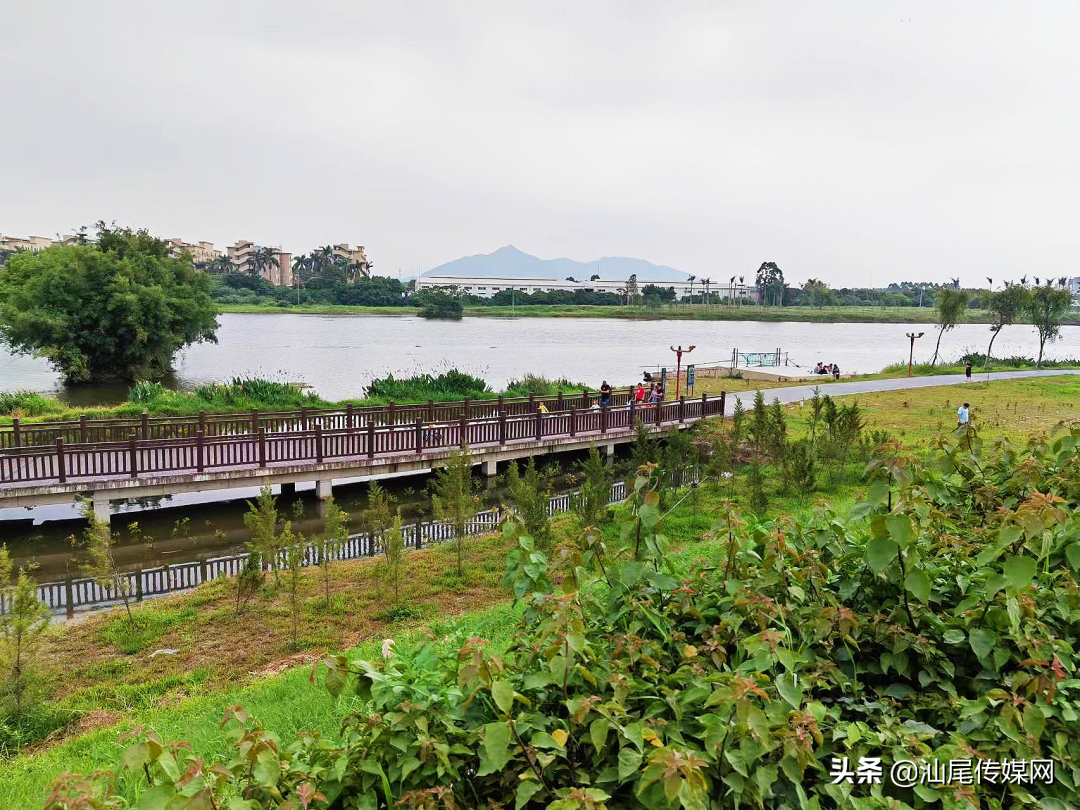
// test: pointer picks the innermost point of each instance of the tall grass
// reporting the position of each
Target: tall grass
(448, 385)
(27, 403)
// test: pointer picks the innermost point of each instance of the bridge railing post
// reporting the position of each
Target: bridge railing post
(465, 408)
(585, 399)
(15, 438)
(419, 441)
(573, 422)
(723, 396)
(61, 467)
(262, 447)
(559, 402)
(348, 416)
(682, 409)
(391, 417)
(502, 425)
(431, 410)
(144, 423)
(254, 420)
(202, 420)
(603, 420)
(539, 425)
(502, 404)
(133, 454)
(532, 402)
(704, 404)
(371, 438)
(200, 451)
(659, 413)
(632, 409)
(463, 431)
(82, 428)
(318, 443)
(303, 418)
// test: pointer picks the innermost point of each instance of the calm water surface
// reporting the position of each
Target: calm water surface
(338, 355)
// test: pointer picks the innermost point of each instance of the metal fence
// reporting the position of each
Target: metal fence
(83, 593)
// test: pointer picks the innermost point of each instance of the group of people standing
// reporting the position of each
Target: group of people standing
(830, 368)
(652, 395)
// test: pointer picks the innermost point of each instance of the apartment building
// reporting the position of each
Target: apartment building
(201, 252)
(34, 244)
(241, 255)
(354, 256)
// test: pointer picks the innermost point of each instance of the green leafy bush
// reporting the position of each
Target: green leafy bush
(937, 622)
(145, 391)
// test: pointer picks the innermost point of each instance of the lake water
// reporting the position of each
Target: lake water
(338, 355)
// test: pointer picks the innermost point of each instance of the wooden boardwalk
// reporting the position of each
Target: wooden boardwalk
(323, 451)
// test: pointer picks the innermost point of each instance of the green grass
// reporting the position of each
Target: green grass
(146, 627)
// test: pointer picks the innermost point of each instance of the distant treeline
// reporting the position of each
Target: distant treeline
(379, 291)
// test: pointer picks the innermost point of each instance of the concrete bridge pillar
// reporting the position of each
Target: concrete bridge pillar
(609, 453)
(101, 509)
(324, 489)
(491, 468)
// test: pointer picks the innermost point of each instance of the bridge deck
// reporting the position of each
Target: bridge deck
(34, 476)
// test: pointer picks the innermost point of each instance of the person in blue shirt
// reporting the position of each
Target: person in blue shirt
(963, 415)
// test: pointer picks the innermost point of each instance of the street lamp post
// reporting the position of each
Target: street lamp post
(911, 354)
(678, 366)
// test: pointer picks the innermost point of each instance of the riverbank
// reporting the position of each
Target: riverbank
(244, 395)
(686, 312)
(110, 678)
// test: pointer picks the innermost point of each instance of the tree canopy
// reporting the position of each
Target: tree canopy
(1047, 307)
(949, 307)
(120, 308)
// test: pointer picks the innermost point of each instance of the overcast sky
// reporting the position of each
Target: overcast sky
(854, 141)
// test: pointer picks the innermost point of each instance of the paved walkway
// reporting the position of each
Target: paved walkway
(836, 389)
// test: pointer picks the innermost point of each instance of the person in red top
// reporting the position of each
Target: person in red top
(639, 394)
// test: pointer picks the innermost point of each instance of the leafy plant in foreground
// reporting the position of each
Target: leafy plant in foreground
(943, 628)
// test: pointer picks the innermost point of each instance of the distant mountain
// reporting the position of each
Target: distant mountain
(509, 262)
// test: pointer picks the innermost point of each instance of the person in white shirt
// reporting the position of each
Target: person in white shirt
(963, 415)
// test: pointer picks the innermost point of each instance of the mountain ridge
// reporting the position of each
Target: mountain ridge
(509, 262)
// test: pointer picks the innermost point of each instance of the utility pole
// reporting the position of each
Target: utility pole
(912, 336)
(678, 366)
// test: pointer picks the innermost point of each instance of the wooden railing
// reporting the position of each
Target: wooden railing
(81, 593)
(144, 427)
(204, 452)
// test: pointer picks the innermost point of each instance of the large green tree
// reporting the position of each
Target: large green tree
(120, 308)
(1047, 307)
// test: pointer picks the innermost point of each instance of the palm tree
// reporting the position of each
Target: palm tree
(731, 291)
(263, 259)
(221, 265)
(691, 279)
(706, 283)
(742, 283)
(322, 259)
(355, 271)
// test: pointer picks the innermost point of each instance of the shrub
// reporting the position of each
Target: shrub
(942, 629)
(448, 385)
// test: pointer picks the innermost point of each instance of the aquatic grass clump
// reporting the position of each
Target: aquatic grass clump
(145, 391)
(540, 385)
(448, 385)
(253, 392)
(28, 403)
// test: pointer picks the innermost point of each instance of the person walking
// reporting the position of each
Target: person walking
(639, 394)
(605, 395)
(963, 415)
(967, 370)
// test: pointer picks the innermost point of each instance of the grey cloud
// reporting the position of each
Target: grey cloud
(843, 140)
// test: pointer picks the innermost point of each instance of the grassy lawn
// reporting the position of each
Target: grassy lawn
(103, 670)
(844, 314)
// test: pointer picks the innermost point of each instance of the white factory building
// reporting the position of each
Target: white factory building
(486, 287)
